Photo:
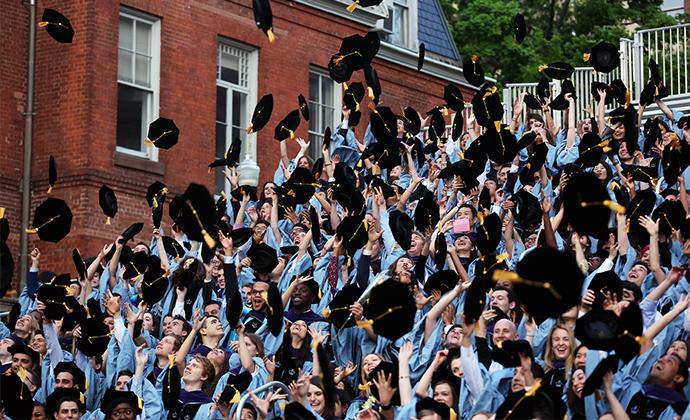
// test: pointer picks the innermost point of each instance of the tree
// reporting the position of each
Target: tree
(558, 30)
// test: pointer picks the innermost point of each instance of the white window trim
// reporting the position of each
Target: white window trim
(411, 41)
(249, 144)
(149, 152)
(337, 106)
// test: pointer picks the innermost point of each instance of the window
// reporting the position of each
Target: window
(137, 81)
(325, 98)
(235, 98)
(396, 27)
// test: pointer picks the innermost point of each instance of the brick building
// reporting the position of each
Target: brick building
(202, 63)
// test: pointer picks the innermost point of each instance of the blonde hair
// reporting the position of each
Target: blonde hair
(550, 356)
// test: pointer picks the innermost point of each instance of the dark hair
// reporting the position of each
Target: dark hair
(471, 207)
(186, 326)
(124, 372)
(635, 289)
(328, 412)
(682, 371)
(148, 250)
(534, 116)
(511, 294)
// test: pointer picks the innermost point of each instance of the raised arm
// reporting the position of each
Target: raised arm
(181, 354)
(165, 264)
(572, 128)
(245, 358)
(654, 258)
(274, 218)
(404, 384)
(114, 261)
(622, 234)
(665, 109)
(440, 306)
(601, 110)
(93, 267)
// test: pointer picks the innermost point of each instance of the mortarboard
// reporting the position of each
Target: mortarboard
(390, 310)
(596, 378)
(155, 282)
(362, 3)
(605, 282)
(112, 398)
(411, 120)
(508, 352)
(131, 231)
(473, 71)
(79, 263)
(263, 17)
(52, 220)
(108, 202)
(401, 226)
(58, 27)
(519, 28)
(591, 149)
(352, 96)
(163, 133)
(287, 126)
(604, 57)
(156, 193)
(234, 387)
(453, 97)
(547, 282)
(303, 107)
(373, 83)
(489, 233)
(197, 214)
(487, 107)
(588, 206)
(442, 281)
(420, 59)
(558, 70)
(671, 215)
(52, 173)
(262, 113)
(264, 258)
(15, 396)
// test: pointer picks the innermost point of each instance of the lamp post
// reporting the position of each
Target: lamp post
(249, 171)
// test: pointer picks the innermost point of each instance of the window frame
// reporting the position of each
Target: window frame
(146, 151)
(314, 151)
(410, 38)
(249, 141)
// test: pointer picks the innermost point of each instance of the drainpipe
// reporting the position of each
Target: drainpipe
(28, 135)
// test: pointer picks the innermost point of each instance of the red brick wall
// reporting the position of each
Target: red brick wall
(76, 101)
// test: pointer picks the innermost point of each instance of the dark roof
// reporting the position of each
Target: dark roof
(433, 29)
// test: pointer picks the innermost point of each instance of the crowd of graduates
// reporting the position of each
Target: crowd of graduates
(443, 265)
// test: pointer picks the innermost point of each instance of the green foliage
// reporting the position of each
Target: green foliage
(559, 30)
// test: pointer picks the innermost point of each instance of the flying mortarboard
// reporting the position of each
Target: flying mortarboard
(353, 95)
(362, 3)
(155, 282)
(287, 126)
(234, 387)
(264, 17)
(443, 281)
(401, 226)
(303, 107)
(108, 202)
(262, 113)
(390, 310)
(52, 220)
(473, 71)
(420, 59)
(197, 214)
(588, 206)
(52, 173)
(508, 352)
(79, 264)
(163, 133)
(95, 336)
(603, 283)
(15, 396)
(596, 378)
(604, 57)
(264, 258)
(57, 25)
(373, 83)
(519, 28)
(558, 70)
(453, 97)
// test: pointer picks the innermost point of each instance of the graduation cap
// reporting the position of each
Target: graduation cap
(596, 378)
(163, 133)
(413, 124)
(390, 310)
(458, 126)
(535, 160)
(604, 57)
(112, 398)
(79, 263)
(598, 329)
(591, 149)
(428, 404)
(384, 124)
(240, 191)
(473, 71)
(500, 146)
(57, 25)
(262, 113)
(295, 409)
(287, 126)
(442, 281)
(475, 297)
(353, 95)
(420, 59)
(519, 28)
(108, 202)
(596, 86)
(155, 282)
(263, 17)
(315, 225)
(672, 216)
(53, 296)
(362, 3)
(401, 226)
(543, 90)
(603, 283)
(17, 401)
(453, 97)
(675, 159)
(527, 211)
(629, 333)
(60, 395)
(684, 121)
(241, 236)
(426, 213)
(234, 388)
(72, 368)
(389, 369)
(338, 312)
(197, 214)
(339, 69)
(300, 186)
(303, 107)
(135, 265)
(654, 89)
(641, 205)
(441, 247)
(231, 157)
(372, 43)
(489, 233)
(26, 350)
(532, 101)
(647, 174)
(547, 282)
(560, 103)
(131, 231)
(619, 91)
(558, 70)
(264, 258)
(588, 206)
(52, 173)
(156, 193)
(373, 83)
(508, 352)
(437, 125)
(52, 220)
(487, 107)
(353, 230)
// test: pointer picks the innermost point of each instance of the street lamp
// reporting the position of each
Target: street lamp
(249, 171)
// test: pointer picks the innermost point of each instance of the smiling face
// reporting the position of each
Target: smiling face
(504, 330)
(500, 299)
(443, 393)
(678, 348)
(600, 172)
(258, 302)
(454, 337)
(560, 343)
(369, 363)
(665, 372)
(581, 357)
(637, 274)
(316, 399)
(577, 382)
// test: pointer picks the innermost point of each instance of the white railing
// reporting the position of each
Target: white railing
(668, 46)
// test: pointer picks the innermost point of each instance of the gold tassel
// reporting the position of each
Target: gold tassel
(371, 106)
(32, 231)
(326, 313)
(370, 92)
(351, 8)
(250, 128)
(453, 414)
(607, 203)
(543, 67)
(50, 189)
(365, 323)
(585, 57)
(271, 35)
(627, 98)
(2, 212)
(107, 220)
(497, 124)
